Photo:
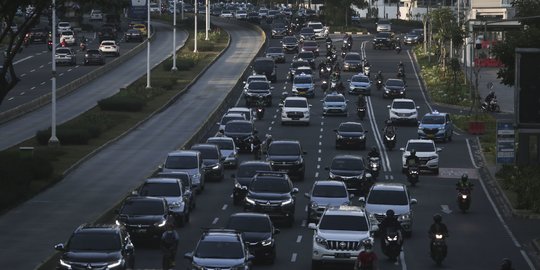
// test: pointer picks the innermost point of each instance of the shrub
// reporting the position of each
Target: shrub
(523, 180)
(122, 103)
(66, 136)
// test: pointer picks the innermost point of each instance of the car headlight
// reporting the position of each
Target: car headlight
(320, 240)
(433, 157)
(339, 136)
(160, 223)
(197, 176)
(346, 64)
(118, 222)
(267, 242)
(250, 201)
(216, 166)
(314, 205)
(386, 90)
(176, 204)
(115, 263)
(404, 217)
(65, 263)
(287, 202)
(362, 137)
(332, 175)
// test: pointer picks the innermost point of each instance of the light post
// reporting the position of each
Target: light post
(207, 15)
(53, 140)
(148, 48)
(195, 31)
(174, 68)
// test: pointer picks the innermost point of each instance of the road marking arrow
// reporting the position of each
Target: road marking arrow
(445, 209)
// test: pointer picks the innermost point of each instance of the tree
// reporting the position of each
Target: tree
(340, 10)
(527, 13)
(445, 22)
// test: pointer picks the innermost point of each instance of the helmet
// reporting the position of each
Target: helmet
(374, 148)
(400, 63)
(390, 213)
(506, 263)
(367, 245)
(380, 72)
(437, 218)
(492, 93)
(464, 177)
(413, 152)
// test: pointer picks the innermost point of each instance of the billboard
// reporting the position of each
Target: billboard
(138, 9)
(527, 88)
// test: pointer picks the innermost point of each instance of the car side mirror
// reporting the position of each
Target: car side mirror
(59, 247)
(417, 107)
(294, 190)
(276, 231)
(388, 106)
(188, 255)
(312, 226)
(413, 201)
(402, 149)
(439, 149)
(374, 228)
(362, 200)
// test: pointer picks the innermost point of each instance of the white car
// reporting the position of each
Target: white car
(226, 14)
(320, 30)
(403, 110)
(68, 36)
(295, 110)
(384, 26)
(240, 15)
(63, 26)
(154, 7)
(109, 47)
(426, 152)
(261, 78)
(96, 15)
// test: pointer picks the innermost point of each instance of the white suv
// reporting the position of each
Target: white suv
(295, 110)
(339, 235)
(403, 110)
(68, 36)
(109, 47)
(426, 152)
(320, 30)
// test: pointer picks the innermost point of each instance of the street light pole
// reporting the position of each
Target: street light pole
(174, 68)
(148, 47)
(207, 15)
(195, 31)
(53, 140)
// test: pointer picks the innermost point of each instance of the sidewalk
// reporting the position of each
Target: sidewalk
(504, 93)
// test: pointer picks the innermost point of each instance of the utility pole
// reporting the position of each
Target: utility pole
(53, 140)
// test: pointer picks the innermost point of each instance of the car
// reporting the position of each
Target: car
(303, 85)
(172, 191)
(265, 66)
(154, 8)
(302, 70)
(427, 153)
(295, 64)
(65, 56)
(290, 44)
(394, 88)
(189, 162)
(385, 196)
(258, 90)
(228, 150)
(109, 47)
(436, 126)
(335, 104)
(320, 30)
(106, 33)
(287, 156)
(350, 134)
(142, 28)
(144, 217)
(226, 14)
(325, 194)
(247, 112)
(212, 160)
(307, 56)
(253, 17)
(339, 235)
(97, 246)
(276, 53)
(307, 33)
(351, 170)
(403, 110)
(359, 84)
(272, 193)
(263, 12)
(92, 56)
(415, 36)
(229, 117)
(384, 26)
(133, 35)
(278, 30)
(240, 15)
(287, 11)
(63, 26)
(352, 62)
(68, 36)
(295, 110)
(244, 174)
(258, 232)
(383, 40)
(37, 35)
(187, 185)
(242, 131)
(311, 46)
(96, 15)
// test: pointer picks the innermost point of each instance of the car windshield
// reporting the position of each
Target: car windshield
(353, 56)
(421, 147)
(360, 79)
(181, 162)
(305, 55)
(94, 241)
(351, 128)
(219, 249)
(290, 40)
(249, 170)
(223, 144)
(329, 191)
(343, 223)
(207, 152)
(309, 43)
(398, 83)
(161, 190)
(226, 118)
(284, 149)
(249, 224)
(387, 197)
(302, 80)
(143, 207)
(335, 98)
(316, 25)
(258, 85)
(295, 103)
(274, 50)
(349, 164)
(403, 105)
(433, 119)
(308, 31)
(270, 184)
(242, 127)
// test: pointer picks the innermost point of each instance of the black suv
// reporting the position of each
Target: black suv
(290, 44)
(308, 56)
(350, 134)
(351, 170)
(384, 40)
(220, 249)
(258, 90)
(258, 232)
(244, 175)
(272, 193)
(242, 131)
(212, 161)
(287, 156)
(265, 66)
(279, 30)
(97, 247)
(144, 217)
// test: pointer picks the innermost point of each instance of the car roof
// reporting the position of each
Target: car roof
(239, 109)
(253, 162)
(91, 227)
(204, 146)
(240, 121)
(347, 156)
(250, 214)
(285, 142)
(436, 113)
(220, 138)
(420, 141)
(296, 98)
(184, 153)
(402, 100)
(159, 180)
(389, 186)
(329, 183)
(351, 123)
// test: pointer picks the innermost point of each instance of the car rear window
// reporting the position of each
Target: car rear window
(387, 197)
(207, 152)
(360, 79)
(181, 162)
(160, 190)
(347, 164)
(353, 56)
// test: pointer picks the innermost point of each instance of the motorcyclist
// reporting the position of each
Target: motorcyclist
(490, 97)
(169, 246)
(379, 76)
(361, 101)
(464, 183)
(329, 40)
(367, 259)
(374, 153)
(255, 146)
(506, 264)
(437, 228)
(401, 66)
(63, 43)
(366, 63)
(389, 221)
(389, 128)
(335, 76)
(412, 160)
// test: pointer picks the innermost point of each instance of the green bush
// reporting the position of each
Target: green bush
(66, 136)
(524, 181)
(122, 103)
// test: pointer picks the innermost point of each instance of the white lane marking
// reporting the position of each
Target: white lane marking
(471, 155)
(270, 128)
(42, 83)
(319, 151)
(318, 166)
(293, 257)
(322, 129)
(402, 259)
(22, 75)
(61, 74)
(41, 66)
(305, 208)
(32, 88)
(38, 53)
(22, 93)
(303, 224)
(215, 221)
(419, 83)
(456, 133)
(299, 239)
(316, 174)
(21, 60)
(32, 70)
(319, 159)
(230, 196)
(224, 207)
(446, 209)
(320, 143)
(70, 69)
(11, 98)
(320, 136)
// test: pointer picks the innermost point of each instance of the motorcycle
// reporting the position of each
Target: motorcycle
(26, 41)
(464, 199)
(389, 140)
(367, 70)
(49, 45)
(260, 112)
(379, 84)
(438, 248)
(412, 175)
(361, 112)
(392, 244)
(398, 49)
(493, 106)
(401, 74)
(374, 166)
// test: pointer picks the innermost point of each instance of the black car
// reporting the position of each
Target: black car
(97, 247)
(278, 30)
(212, 161)
(272, 193)
(290, 44)
(144, 217)
(307, 56)
(295, 65)
(414, 36)
(394, 88)
(350, 134)
(133, 35)
(187, 185)
(352, 62)
(106, 33)
(258, 90)
(258, 232)
(242, 131)
(287, 156)
(265, 66)
(253, 17)
(307, 33)
(244, 174)
(383, 40)
(172, 191)
(37, 35)
(351, 170)
(94, 57)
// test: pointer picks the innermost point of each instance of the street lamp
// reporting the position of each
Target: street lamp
(195, 31)
(174, 68)
(148, 47)
(207, 13)
(53, 141)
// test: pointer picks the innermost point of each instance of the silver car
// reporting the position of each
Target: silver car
(359, 84)
(228, 150)
(324, 194)
(335, 104)
(276, 53)
(171, 189)
(186, 161)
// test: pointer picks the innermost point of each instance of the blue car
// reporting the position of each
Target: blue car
(436, 126)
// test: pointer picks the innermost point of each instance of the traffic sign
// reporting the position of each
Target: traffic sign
(506, 134)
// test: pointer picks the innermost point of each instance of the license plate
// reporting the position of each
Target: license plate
(343, 255)
(431, 135)
(295, 118)
(140, 230)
